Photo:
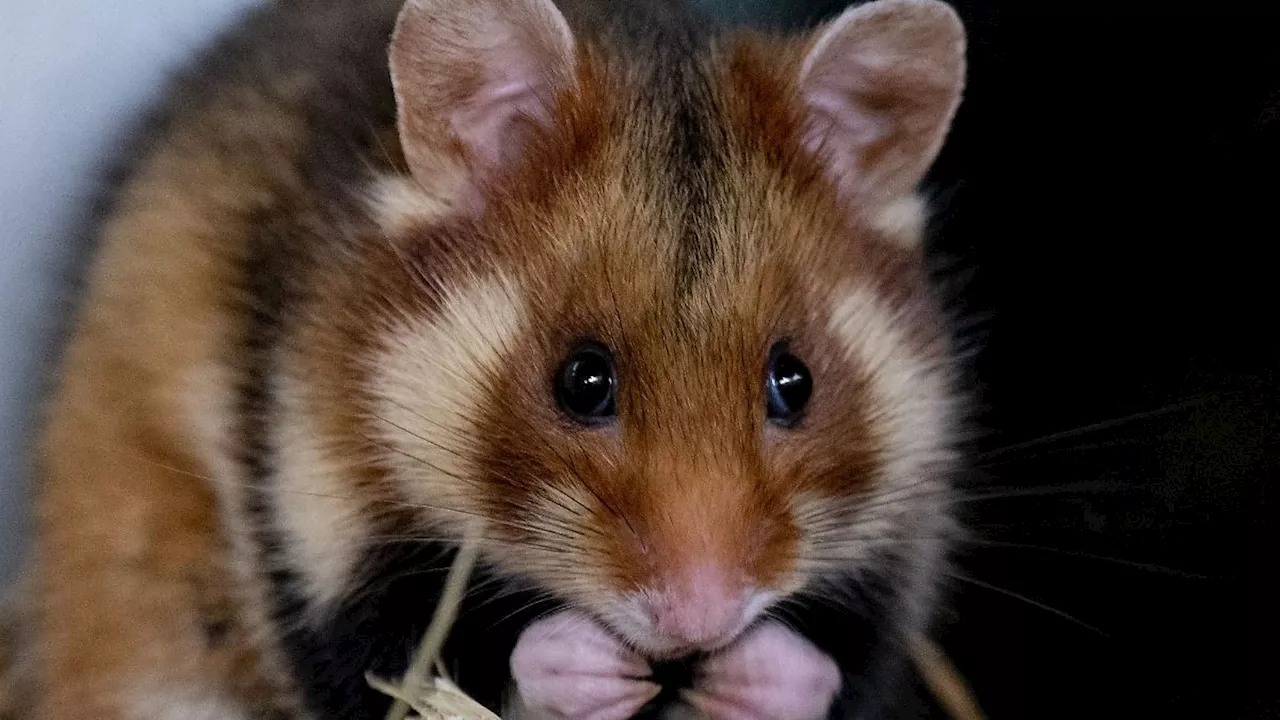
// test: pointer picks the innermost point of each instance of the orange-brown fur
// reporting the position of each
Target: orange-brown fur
(16, 687)
(134, 570)
(128, 524)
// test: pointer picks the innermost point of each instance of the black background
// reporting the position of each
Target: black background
(1108, 197)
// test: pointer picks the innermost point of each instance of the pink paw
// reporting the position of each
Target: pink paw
(567, 666)
(771, 673)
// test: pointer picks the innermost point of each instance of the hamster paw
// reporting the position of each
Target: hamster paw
(566, 666)
(771, 673)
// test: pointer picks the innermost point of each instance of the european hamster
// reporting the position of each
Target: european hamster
(643, 301)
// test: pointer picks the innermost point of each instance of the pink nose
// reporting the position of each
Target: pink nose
(700, 608)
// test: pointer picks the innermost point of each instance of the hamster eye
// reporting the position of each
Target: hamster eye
(788, 385)
(586, 383)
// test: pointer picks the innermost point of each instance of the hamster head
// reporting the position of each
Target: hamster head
(659, 325)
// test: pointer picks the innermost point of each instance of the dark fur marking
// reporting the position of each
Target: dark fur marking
(669, 43)
(692, 166)
(681, 99)
(379, 630)
(216, 631)
(255, 456)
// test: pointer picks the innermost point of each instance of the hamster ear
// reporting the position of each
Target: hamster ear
(471, 78)
(880, 86)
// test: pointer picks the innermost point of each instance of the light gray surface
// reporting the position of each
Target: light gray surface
(73, 74)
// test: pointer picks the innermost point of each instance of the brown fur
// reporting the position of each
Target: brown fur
(17, 659)
(135, 578)
(128, 523)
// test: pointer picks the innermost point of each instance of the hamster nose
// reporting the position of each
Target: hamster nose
(700, 608)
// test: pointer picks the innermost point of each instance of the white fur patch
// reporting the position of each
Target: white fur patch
(161, 700)
(902, 221)
(911, 401)
(399, 202)
(428, 380)
(209, 395)
(207, 399)
(323, 521)
(911, 409)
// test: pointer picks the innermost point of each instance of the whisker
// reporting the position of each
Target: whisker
(242, 484)
(495, 588)
(1059, 489)
(829, 551)
(529, 605)
(438, 425)
(411, 456)
(550, 487)
(1088, 556)
(548, 526)
(1046, 453)
(1030, 601)
(1091, 428)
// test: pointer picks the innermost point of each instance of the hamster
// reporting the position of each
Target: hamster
(641, 302)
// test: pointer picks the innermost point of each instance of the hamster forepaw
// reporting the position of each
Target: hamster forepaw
(567, 667)
(771, 673)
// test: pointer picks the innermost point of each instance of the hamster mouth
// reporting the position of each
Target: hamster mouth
(675, 677)
(634, 620)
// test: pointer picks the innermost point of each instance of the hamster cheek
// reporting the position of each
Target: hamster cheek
(568, 667)
(771, 673)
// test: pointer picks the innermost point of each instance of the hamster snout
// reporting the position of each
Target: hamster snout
(707, 549)
(703, 606)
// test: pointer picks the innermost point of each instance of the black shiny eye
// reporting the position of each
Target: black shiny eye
(788, 385)
(586, 383)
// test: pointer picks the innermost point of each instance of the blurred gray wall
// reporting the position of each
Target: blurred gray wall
(73, 75)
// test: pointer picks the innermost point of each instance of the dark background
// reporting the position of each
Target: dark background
(1108, 199)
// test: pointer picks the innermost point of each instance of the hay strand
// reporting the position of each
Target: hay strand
(944, 680)
(436, 698)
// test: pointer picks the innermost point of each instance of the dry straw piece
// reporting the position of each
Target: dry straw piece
(436, 698)
(944, 680)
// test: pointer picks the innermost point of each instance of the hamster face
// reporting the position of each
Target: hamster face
(672, 374)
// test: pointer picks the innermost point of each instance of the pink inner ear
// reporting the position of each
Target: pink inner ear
(839, 133)
(471, 77)
(489, 124)
(880, 85)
